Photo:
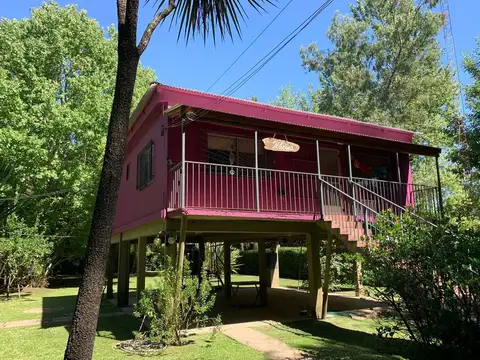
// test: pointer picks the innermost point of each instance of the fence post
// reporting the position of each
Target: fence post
(257, 187)
(350, 179)
(322, 204)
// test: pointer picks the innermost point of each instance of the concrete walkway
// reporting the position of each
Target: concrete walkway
(274, 349)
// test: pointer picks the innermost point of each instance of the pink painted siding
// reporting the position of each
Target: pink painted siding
(136, 207)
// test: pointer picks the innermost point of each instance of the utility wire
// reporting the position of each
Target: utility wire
(249, 46)
(255, 69)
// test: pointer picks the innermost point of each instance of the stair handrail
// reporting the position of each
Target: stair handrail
(365, 207)
(392, 203)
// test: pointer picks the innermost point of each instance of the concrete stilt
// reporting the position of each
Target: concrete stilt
(123, 273)
(141, 265)
(263, 273)
(227, 269)
(326, 280)
(314, 274)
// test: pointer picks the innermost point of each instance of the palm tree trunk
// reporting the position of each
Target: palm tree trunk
(84, 324)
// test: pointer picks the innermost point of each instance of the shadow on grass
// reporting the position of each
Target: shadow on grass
(332, 342)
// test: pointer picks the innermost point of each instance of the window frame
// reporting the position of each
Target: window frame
(236, 138)
(151, 148)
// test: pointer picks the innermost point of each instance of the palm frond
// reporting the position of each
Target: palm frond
(209, 17)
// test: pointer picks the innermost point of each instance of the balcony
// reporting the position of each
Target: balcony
(258, 190)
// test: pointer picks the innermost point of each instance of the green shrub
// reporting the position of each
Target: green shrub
(430, 276)
(24, 254)
(294, 260)
(168, 316)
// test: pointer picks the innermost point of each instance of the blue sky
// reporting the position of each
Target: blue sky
(197, 65)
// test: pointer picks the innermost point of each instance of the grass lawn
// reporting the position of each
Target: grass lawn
(49, 343)
(341, 337)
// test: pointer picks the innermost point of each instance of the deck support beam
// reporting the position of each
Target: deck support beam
(326, 279)
(274, 267)
(227, 269)
(263, 273)
(141, 265)
(111, 269)
(201, 258)
(358, 272)
(123, 273)
(314, 274)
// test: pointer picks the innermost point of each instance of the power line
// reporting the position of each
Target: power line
(249, 46)
(255, 69)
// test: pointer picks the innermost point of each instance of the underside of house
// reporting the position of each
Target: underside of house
(217, 170)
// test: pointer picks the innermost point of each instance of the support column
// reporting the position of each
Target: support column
(357, 268)
(141, 265)
(181, 246)
(227, 269)
(201, 258)
(274, 267)
(314, 274)
(263, 273)
(326, 280)
(123, 273)
(111, 270)
(439, 184)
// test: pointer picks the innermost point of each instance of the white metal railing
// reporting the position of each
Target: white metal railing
(231, 187)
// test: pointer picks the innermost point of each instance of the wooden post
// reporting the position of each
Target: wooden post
(326, 280)
(111, 270)
(123, 273)
(227, 269)
(350, 179)
(263, 273)
(439, 184)
(141, 265)
(201, 257)
(274, 267)
(257, 184)
(314, 275)
(357, 265)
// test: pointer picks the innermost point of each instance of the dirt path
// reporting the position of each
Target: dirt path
(63, 320)
(274, 349)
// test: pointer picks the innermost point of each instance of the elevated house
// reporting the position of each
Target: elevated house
(205, 168)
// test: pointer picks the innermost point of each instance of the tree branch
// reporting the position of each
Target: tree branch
(147, 34)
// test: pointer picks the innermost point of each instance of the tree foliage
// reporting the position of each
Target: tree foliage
(57, 77)
(385, 68)
(430, 277)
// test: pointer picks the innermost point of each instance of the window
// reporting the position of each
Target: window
(145, 166)
(227, 150)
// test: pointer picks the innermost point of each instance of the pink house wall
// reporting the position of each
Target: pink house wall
(134, 206)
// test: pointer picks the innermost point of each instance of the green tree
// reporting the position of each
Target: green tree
(288, 97)
(466, 157)
(430, 277)
(385, 68)
(57, 71)
(203, 17)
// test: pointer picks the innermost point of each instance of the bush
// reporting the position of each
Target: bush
(169, 315)
(294, 259)
(24, 255)
(430, 276)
